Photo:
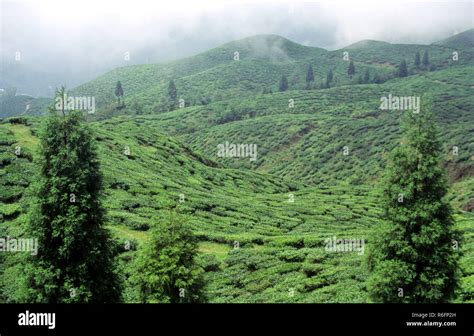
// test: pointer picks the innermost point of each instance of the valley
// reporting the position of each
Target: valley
(312, 170)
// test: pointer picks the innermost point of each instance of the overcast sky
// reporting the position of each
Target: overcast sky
(90, 35)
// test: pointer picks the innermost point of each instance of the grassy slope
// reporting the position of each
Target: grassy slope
(280, 256)
(215, 75)
(18, 105)
(306, 142)
(263, 59)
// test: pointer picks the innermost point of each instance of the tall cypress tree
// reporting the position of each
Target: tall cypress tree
(417, 59)
(119, 92)
(413, 257)
(426, 60)
(309, 75)
(172, 96)
(366, 77)
(402, 69)
(75, 260)
(351, 69)
(329, 78)
(165, 270)
(283, 83)
(172, 92)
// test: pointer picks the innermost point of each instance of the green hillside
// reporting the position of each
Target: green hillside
(256, 244)
(306, 142)
(22, 105)
(261, 224)
(461, 40)
(215, 75)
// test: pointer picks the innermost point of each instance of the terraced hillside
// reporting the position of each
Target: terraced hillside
(262, 238)
(215, 75)
(306, 141)
(262, 224)
(254, 65)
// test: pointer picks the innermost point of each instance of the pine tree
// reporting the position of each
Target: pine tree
(119, 92)
(283, 84)
(351, 69)
(426, 60)
(402, 69)
(417, 59)
(309, 75)
(329, 78)
(172, 99)
(172, 92)
(165, 270)
(75, 259)
(366, 77)
(413, 257)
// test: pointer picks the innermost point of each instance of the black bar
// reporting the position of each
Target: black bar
(311, 319)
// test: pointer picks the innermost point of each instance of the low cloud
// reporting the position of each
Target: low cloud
(89, 37)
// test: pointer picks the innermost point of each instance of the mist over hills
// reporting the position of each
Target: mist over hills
(74, 54)
(280, 54)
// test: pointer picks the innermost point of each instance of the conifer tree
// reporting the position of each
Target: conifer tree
(75, 259)
(413, 257)
(172, 96)
(426, 60)
(119, 92)
(309, 75)
(351, 69)
(172, 92)
(402, 69)
(283, 83)
(329, 78)
(366, 77)
(417, 59)
(165, 270)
